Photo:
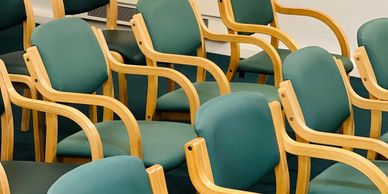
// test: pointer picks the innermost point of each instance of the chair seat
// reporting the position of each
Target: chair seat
(124, 42)
(33, 177)
(163, 142)
(177, 101)
(261, 63)
(14, 63)
(384, 137)
(342, 179)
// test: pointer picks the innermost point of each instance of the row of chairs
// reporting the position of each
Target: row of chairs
(60, 77)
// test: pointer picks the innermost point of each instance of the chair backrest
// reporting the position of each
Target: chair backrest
(172, 25)
(253, 11)
(76, 6)
(71, 54)
(373, 35)
(118, 175)
(319, 88)
(240, 138)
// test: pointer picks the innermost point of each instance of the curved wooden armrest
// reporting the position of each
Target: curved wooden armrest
(352, 159)
(322, 17)
(200, 172)
(146, 47)
(157, 179)
(296, 120)
(4, 184)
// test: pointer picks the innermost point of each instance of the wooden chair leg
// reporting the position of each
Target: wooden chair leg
(262, 79)
(171, 84)
(37, 130)
(375, 130)
(304, 167)
(123, 89)
(26, 114)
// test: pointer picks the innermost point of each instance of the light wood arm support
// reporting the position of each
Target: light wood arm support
(28, 25)
(340, 35)
(200, 172)
(157, 179)
(4, 184)
(352, 159)
(111, 15)
(146, 47)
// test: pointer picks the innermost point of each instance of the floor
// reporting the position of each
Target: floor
(178, 181)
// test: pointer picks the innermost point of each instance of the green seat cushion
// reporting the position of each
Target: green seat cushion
(384, 137)
(262, 64)
(162, 142)
(14, 63)
(118, 175)
(33, 177)
(343, 179)
(124, 42)
(177, 101)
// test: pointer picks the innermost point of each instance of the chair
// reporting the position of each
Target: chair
(317, 107)
(26, 177)
(121, 42)
(119, 175)
(60, 74)
(177, 33)
(240, 143)
(370, 60)
(16, 24)
(253, 16)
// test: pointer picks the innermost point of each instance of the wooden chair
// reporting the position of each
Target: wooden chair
(240, 143)
(371, 59)
(119, 175)
(121, 42)
(26, 177)
(252, 16)
(317, 107)
(73, 72)
(173, 36)
(17, 16)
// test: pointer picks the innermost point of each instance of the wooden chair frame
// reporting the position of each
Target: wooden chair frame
(157, 179)
(144, 41)
(227, 16)
(106, 100)
(201, 174)
(347, 140)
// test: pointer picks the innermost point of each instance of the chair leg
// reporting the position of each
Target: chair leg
(26, 114)
(262, 79)
(123, 89)
(304, 167)
(37, 130)
(375, 130)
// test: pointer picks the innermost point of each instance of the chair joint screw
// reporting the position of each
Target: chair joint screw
(365, 79)
(283, 95)
(291, 118)
(190, 148)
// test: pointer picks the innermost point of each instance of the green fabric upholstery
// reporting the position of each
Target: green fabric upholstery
(118, 175)
(12, 13)
(124, 42)
(319, 88)
(172, 25)
(343, 179)
(14, 63)
(384, 137)
(240, 138)
(162, 142)
(177, 101)
(77, 6)
(78, 64)
(373, 35)
(253, 11)
(33, 177)
(262, 64)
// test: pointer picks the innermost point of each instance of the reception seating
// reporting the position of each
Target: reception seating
(251, 16)
(317, 107)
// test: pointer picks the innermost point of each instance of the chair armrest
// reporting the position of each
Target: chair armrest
(352, 159)
(4, 183)
(145, 44)
(322, 17)
(157, 179)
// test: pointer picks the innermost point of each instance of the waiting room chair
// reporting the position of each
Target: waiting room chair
(73, 71)
(253, 16)
(27, 177)
(242, 138)
(371, 62)
(121, 42)
(17, 15)
(118, 175)
(317, 107)
(177, 33)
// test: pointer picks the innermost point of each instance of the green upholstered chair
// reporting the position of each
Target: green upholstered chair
(175, 35)
(370, 59)
(119, 175)
(260, 16)
(74, 71)
(120, 41)
(317, 107)
(27, 177)
(16, 26)
(240, 143)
